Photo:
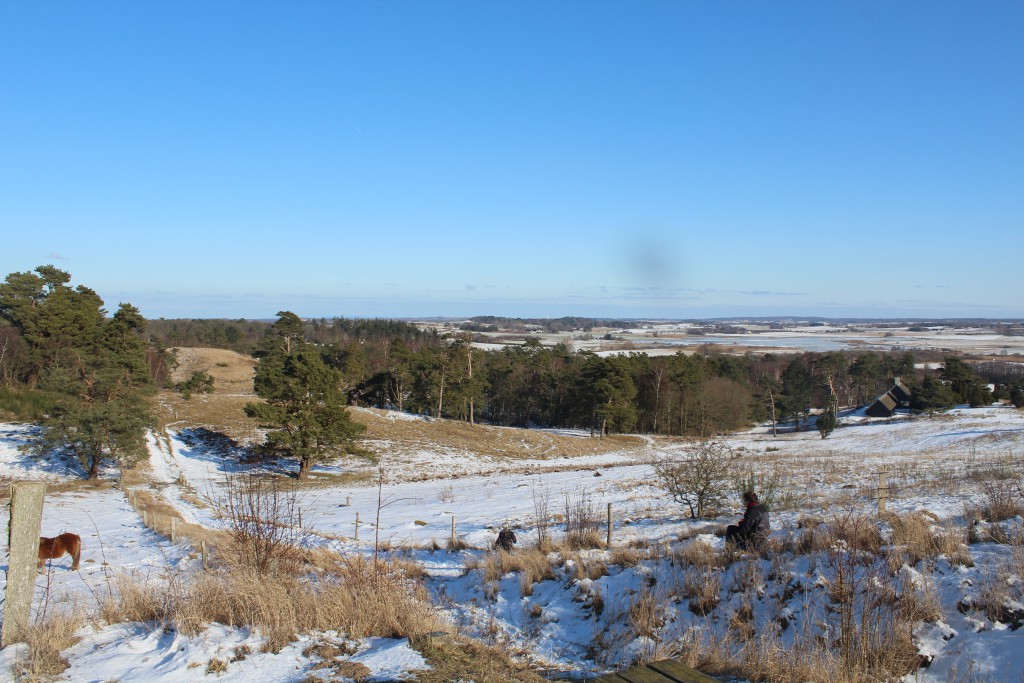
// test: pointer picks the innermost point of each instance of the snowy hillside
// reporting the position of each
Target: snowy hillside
(667, 587)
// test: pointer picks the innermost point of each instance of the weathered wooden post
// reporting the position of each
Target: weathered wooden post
(26, 518)
(357, 526)
(300, 518)
(202, 549)
(608, 541)
(883, 490)
(174, 537)
(453, 531)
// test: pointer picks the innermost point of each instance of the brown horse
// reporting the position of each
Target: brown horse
(54, 548)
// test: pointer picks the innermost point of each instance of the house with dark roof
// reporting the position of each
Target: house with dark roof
(886, 404)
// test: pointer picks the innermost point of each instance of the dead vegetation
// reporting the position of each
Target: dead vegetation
(46, 640)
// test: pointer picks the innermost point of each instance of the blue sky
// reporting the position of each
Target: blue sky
(637, 159)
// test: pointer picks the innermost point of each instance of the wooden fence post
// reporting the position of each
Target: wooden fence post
(883, 490)
(23, 554)
(357, 526)
(202, 549)
(453, 531)
(608, 541)
(174, 538)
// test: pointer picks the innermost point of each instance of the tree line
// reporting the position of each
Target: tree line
(87, 376)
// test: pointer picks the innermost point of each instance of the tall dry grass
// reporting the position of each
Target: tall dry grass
(41, 660)
(360, 597)
(532, 565)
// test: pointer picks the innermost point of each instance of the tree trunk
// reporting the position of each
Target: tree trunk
(440, 397)
(469, 363)
(94, 466)
(304, 467)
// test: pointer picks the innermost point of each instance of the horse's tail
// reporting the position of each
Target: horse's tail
(76, 551)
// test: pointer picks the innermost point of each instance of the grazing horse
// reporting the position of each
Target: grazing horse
(54, 548)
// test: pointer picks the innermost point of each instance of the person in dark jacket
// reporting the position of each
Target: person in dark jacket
(506, 539)
(753, 528)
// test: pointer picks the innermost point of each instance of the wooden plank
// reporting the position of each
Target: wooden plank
(610, 678)
(680, 673)
(643, 675)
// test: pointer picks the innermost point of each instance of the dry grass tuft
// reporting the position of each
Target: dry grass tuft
(627, 557)
(646, 615)
(916, 538)
(699, 554)
(46, 641)
(532, 564)
(461, 659)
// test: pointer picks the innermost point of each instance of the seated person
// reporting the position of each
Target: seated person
(753, 529)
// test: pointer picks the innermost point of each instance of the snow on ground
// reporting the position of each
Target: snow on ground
(143, 653)
(558, 624)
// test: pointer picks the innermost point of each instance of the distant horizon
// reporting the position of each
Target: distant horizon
(749, 318)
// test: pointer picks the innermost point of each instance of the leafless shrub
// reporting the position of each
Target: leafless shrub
(542, 515)
(447, 494)
(1002, 500)
(865, 623)
(700, 481)
(263, 513)
(582, 520)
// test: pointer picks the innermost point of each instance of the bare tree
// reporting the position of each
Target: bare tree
(701, 479)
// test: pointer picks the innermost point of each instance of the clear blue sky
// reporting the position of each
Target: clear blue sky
(642, 159)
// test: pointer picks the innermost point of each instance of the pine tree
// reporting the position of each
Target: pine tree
(304, 405)
(101, 412)
(934, 395)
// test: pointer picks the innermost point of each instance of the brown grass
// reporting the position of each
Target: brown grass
(627, 557)
(462, 659)
(916, 538)
(532, 565)
(46, 640)
(360, 597)
(222, 411)
(503, 442)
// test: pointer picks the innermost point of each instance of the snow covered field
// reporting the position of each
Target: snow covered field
(584, 616)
